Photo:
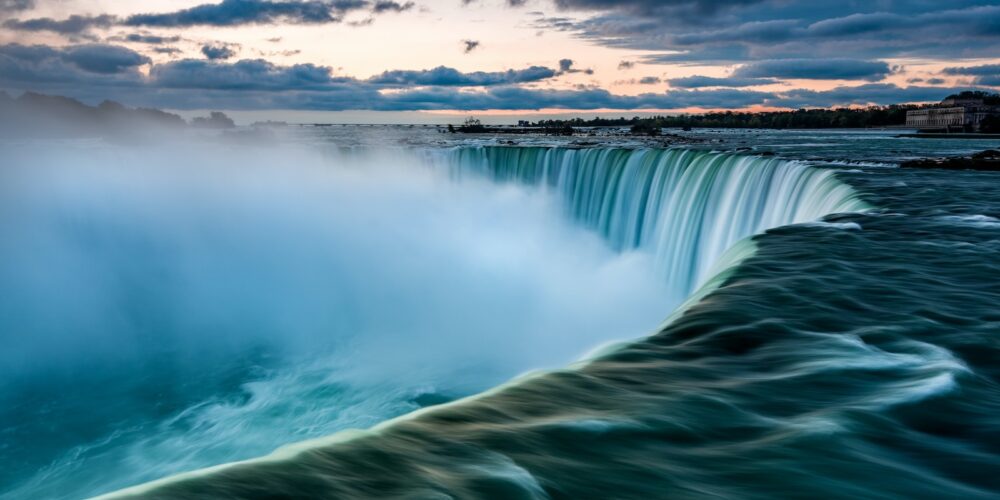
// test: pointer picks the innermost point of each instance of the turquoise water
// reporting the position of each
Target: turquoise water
(685, 206)
(846, 355)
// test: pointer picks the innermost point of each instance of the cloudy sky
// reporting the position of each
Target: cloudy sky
(501, 58)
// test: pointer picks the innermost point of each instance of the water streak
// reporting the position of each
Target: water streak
(686, 206)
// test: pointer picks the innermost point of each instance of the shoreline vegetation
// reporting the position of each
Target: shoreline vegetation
(870, 117)
(893, 116)
(41, 115)
(879, 117)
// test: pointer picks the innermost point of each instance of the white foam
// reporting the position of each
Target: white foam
(976, 220)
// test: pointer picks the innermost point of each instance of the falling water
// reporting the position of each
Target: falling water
(685, 206)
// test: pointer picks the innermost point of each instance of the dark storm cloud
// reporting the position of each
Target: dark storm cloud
(815, 69)
(102, 71)
(217, 51)
(32, 54)
(167, 50)
(703, 8)
(225, 13)
(382, 6)
(733, 31)
(982, 70)
(91, 58)
(15, 5)
(444, 76)
(69, 26)
(247, 74)
(855, 24)
(82, 67)
(988, 80)
(566, 66)
(698, 81)
(100, 58)
(753, 32)
(262, 75)
(556, 24)
(974, 21)
(150, 39)
(517, 98)
(986, 74)
(240, 12)
(707, 55)
(873, 93)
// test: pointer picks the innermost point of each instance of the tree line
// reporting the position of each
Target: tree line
(859, 117)
(869, 117)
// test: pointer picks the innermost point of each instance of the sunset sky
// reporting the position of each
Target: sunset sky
(386, 60)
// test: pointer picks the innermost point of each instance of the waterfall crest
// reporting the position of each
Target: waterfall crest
(685, 206)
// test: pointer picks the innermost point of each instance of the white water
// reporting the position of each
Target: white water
(350, 286)
(334, 291)
(686, 207)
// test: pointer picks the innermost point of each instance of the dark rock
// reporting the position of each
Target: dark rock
(988, 160)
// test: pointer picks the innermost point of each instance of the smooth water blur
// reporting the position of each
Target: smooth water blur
(851, 357)
(686, 207)
(845, 356)
(171, 308)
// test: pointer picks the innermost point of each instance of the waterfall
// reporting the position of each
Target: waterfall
(685, 206)
(693, 211)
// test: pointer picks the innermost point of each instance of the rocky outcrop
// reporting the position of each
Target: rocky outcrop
(985, 160)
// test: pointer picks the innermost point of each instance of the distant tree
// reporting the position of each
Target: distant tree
(472, 125)
(645, 128)
(40, 115)
(215, 119)
(990, 125)
(989, 98)
(874, 116)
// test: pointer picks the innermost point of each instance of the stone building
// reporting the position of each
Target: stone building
(955, 114)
